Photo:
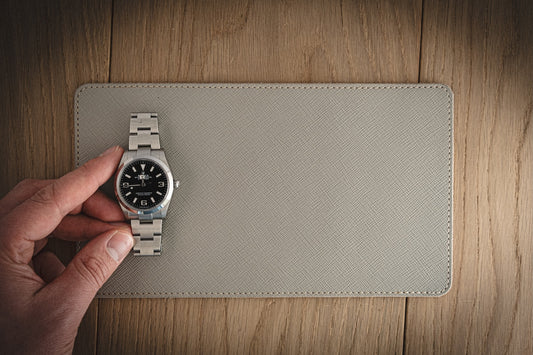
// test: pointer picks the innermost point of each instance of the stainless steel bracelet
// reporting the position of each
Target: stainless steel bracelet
(147, 235)
(144, 135)
(144, 131)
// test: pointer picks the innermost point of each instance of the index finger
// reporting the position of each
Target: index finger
(39, 215)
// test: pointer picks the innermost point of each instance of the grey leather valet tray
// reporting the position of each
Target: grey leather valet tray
(289, 190)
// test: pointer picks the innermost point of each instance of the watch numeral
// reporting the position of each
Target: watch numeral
(160, 184)
(125, 185)
(144, 202)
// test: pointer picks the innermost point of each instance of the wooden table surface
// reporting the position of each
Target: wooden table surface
(482, 49)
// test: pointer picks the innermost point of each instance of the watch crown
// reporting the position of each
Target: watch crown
(176, 184)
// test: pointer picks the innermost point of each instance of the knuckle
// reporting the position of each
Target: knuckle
(47, 196)
(44, 195)
(92, 269)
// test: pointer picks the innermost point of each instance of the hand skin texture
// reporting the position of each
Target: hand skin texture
(42, 302)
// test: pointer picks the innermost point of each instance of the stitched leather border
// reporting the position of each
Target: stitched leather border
(302, 86)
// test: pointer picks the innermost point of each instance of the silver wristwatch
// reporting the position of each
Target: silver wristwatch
(144, 184)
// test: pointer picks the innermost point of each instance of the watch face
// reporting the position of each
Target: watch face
(143, 184)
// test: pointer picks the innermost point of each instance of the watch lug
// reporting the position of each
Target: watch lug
(160, 154)
(130, 215)
(127, 155)
(146, 152)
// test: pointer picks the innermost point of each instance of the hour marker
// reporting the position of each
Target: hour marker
(129, 193)
(128, 176)
(152, 168)
(159, 193)
(151, 198)
(134, 170)
(135, 200)
(158, 175)
(142, 166)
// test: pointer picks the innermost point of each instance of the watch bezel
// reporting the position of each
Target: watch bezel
(133, 209)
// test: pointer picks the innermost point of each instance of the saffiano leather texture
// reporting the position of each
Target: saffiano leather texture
(289, 190)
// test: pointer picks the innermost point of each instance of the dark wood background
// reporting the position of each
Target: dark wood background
(482, 49)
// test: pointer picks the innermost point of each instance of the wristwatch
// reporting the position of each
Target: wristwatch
(144, 184)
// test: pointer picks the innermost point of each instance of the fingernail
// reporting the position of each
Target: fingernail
(109, 151)
(119, 245)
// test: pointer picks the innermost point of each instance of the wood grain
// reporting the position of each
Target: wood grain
(48, 50)
(266, 41)
(484, 50)
(257, 41)
(207, 326)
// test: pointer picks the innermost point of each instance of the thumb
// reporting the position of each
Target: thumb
(91, 268)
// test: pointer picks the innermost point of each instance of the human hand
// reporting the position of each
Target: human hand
(42, 302)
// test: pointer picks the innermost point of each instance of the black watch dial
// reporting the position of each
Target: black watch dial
(143, 184)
